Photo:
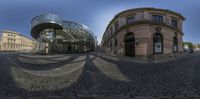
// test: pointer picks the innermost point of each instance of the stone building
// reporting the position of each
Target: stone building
(196, 47)
(144, 33)
(14, 41)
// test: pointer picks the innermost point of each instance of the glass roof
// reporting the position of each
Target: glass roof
(79, 31)
(70, 31)
(46, 18)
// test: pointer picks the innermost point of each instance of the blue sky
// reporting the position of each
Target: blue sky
(16, 14)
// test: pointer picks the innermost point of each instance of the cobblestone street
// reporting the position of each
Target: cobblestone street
(96, 74)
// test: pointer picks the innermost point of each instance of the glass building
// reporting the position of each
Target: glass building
(57, 36)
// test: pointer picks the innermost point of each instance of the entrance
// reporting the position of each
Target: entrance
(130, 45)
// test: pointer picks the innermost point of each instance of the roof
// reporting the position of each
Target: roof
(150, 8)
(13, 32)
(9, 31)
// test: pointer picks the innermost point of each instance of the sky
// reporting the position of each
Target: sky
(16, 15)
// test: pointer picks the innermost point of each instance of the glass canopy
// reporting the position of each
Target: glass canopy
(57, 36)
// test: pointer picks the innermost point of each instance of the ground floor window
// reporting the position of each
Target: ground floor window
(158, 43)
(175, 44)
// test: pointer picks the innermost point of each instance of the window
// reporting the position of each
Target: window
(175, 44)
(111, 30)
(157, 18)
(109, 33)
(116, 26)
(158, 43)
(174, 23)
(130, 20)
(115, 41)
(110, 43)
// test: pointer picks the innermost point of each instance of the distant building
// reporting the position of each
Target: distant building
(196, 47)
(186, 47)
(96, 43)
(143, 33)
(14, 41)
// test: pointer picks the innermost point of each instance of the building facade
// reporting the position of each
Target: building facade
(143, 33)
(14, 41)
(196, 47)
(57, 36)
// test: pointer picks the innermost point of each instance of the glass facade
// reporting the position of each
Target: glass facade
(57, 36)
(52, 18)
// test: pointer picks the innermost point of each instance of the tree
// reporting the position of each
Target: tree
(198, 46)
(190, 45)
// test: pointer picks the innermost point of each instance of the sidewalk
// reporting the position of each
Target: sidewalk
(152, 60)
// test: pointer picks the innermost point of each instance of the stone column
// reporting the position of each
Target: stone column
(168, 21)
(146, 15)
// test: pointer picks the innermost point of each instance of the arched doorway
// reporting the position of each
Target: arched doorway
(130, 45)
(158, 43)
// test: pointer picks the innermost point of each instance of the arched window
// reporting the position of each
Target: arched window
(175, 44)
(129, 37)
(110, 45)
(158, 43)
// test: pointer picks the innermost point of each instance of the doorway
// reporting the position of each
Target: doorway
(129, 45)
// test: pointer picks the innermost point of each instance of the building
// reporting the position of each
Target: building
(57, 36)
(196, 47)
(186, 47)
(96, 43)
(144, 33)
(14, 41)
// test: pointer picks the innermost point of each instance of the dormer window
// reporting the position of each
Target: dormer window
(157, 18)
(174, 23)
(111, 30)
(130, 19)
(116, 26)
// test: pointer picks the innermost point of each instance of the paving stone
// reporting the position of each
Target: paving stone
(104, 75)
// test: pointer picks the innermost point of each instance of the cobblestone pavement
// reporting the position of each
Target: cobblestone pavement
(96, 74)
